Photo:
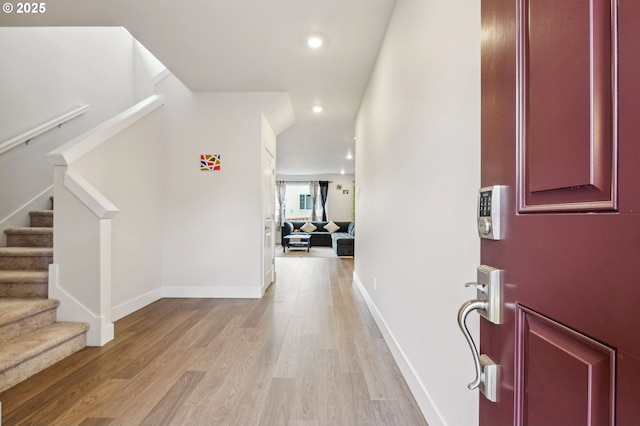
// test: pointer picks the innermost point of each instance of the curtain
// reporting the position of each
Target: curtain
(281, 190)
(324, 187)
(313, 188)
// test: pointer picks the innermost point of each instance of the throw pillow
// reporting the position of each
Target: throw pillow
(308, 227)
(331, 227)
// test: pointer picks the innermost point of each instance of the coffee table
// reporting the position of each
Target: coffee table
(297, 240)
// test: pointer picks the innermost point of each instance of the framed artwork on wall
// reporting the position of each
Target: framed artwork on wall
(210, 162)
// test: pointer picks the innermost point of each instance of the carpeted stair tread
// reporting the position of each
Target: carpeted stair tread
(35, 343)
(26, 251)
(17, 276)
(24, 284)
(41, 213)
(12, 310)
(29, 237)
(30, 230)
(26, 258)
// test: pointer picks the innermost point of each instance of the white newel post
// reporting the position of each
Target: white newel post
(80, 277)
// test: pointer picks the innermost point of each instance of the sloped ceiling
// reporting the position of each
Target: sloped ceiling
(257, 45)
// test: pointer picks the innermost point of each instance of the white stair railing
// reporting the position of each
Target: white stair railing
(43, 128)
(83, 225)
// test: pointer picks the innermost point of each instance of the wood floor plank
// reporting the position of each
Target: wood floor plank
(217, 346)
(293, 345)
(362, 405)
(89, 404)
(307, 354)
(307, 384)
(345, 325)
(160, 377)
(140, 395)
(381, 387)
(278, 404)
(250, 378)
(333, 408)
(96, 421)
(219, 370)
(215, 319)
(164, 411)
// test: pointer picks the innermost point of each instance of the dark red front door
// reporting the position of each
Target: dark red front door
(561, 129)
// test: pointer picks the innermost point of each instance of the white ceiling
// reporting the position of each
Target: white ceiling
(257, 45)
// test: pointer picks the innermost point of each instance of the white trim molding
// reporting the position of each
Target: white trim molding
(213, 292)
(89, 196)
(130, 306)
(420, 393)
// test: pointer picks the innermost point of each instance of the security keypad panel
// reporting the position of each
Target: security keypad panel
(490, 203)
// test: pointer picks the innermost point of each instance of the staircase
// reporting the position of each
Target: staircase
(30, 338)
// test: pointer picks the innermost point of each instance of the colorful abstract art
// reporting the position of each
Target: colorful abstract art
(209, 162)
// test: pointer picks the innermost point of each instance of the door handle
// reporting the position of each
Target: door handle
(464, 311)
(488, 304)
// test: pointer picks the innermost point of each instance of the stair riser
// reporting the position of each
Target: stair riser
(42, 221)
(22, 290)
(30, 240)
(27, 325)
(24, 370)
(25, 263)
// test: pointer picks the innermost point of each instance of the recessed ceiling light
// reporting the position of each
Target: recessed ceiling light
(317, 109)
(349, 156)
(314, 42)
(342, 171)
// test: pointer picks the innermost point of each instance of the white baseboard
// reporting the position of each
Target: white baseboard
(420, 393)
(214, 292)
(130, 306)
(101, 329)
(143, 300)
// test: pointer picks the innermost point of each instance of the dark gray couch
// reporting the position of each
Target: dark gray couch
(341, 240)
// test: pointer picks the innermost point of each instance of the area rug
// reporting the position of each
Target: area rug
(313, 252)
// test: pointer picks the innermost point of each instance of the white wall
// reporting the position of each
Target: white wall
(46, 72)
(128, 171)
(339, 205)
(417, 171)
(213, 221)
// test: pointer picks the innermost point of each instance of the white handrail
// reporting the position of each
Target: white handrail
(76, 148)
(43, 128)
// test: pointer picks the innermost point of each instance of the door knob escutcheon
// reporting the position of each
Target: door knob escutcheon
(489, 305)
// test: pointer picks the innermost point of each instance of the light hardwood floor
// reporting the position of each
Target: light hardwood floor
(308, 353)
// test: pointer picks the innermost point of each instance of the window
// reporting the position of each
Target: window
(305, 202)
(297, 202)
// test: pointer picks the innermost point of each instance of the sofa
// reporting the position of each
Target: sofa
(342, 240)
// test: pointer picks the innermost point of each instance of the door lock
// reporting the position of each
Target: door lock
(491, 206)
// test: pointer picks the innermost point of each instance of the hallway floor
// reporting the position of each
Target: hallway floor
(308, 353)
